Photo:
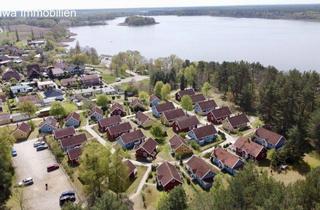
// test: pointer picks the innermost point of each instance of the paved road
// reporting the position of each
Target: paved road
(134, 77)
(30, 163)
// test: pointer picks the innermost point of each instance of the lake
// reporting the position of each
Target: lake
(284, 44)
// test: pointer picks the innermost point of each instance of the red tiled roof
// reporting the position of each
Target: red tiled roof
(117, 129)
(66, 82)
(173, 114)
(165, 107)
(270, 136)
(154, 97)
(197, 98)
(220, 113)
(64, 132)
(24, 127)
(184, 92)
(186, 122)
(176, 141)
(73, 115)
(74, 153)
(95, 109)
(130, 165)
(149, 146)
(249, 146)
(136, 102)
(225, 157)
(237, 120)
(116, 106)
(167, 172)
(209, 104)
(141, 117)
(204, 131)
(199, 167)
(73, 141)
(133, 136)
(110, 121)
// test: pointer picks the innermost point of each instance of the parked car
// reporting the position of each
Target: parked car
(14, 153)
(38, 143)
(42, 147)
(26, 182)
(68, 196)
(52, 167)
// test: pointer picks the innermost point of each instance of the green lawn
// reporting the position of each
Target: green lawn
(312, 159)
(141, 170)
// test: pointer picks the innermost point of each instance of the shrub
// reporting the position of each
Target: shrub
(194, 145)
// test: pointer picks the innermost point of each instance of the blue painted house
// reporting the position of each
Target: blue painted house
(203, 135)
(131, 140)
(201, 172)
(160, 108)
(268, 139)
(73, 120)
(204, 107)
(226, 161)
(154, 100)
(48, 125)
(96, 114)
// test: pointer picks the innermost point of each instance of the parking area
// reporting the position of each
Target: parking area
(30, 163)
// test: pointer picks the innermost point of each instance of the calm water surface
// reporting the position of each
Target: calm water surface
(282, 43)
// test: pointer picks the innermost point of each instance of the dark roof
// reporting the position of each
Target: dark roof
(33, 68)
(176, 141)
(270, 136)
(165, 107)
(237, 120)
(186, 122)
(117, 129)
(220, 113)
(209, 104)
(93, 78)
(130, 165)
(166, 172)
(225, 157)
(197, 98)
(74, 153)
(73, 141)
(173, 114)
(24, 127)
(149, 146)
(131, 137)
(136, 103)
(64, 132)
(11, 74)
(249, 146)
(204, 131)
(141, 117)
(110, 121)
(53, 93)
(73, 115)
(184, 92)
(199, 166)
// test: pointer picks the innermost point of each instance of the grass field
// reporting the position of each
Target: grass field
(24, 32)
(141, 170)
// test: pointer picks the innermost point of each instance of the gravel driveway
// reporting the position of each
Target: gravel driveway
(30, 163)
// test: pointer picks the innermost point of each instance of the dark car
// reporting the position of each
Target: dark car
(42, 147)
(52, 167)
(14, 153)
(65, 197)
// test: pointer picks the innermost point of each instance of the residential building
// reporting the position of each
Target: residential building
(268, 139)
(185, 124)
(248, 149)
(216, 116)
(236, 122)
(168, 176)
(117, 130)
(226, 161)
(132, 139)
(168, 117)
(160, 108)
(204, 107)
(73, 120)
(203, 135)
(106, 123)
(184, 92)
(147, 150)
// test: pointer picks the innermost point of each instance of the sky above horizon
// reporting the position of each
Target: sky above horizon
(111, 4)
